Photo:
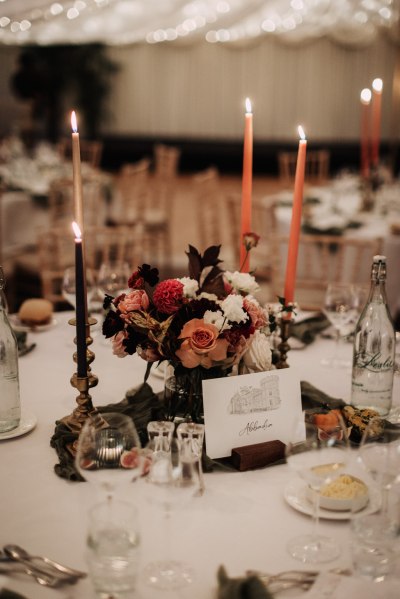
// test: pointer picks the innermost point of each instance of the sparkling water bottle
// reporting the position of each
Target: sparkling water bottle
(374, 348)
(10, 406)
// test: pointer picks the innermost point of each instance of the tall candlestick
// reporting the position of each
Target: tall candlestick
(76, 171)
(295, 224)
(365, 98)
(80, 301)
(247, 182)
(377, 86)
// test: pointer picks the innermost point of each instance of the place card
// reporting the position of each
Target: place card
(250, 408)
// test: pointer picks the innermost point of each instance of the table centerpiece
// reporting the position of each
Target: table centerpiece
(205, 325)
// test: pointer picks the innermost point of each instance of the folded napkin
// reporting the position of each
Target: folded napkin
(249, 587)
(308, 329)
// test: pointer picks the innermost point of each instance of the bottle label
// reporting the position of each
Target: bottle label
(373, 362)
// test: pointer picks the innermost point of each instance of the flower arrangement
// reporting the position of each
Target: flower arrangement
(204, 325)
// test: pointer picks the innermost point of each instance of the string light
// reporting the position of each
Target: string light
(216, 21)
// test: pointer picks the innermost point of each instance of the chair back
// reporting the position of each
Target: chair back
(61, 202)
(130, 192)
(91, 151)
(322, 259)
(166, 161)
(56, 251)
(316, 170)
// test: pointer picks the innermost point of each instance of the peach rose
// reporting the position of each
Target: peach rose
(201, 346)
(257, 313)
(134, 300)
(118, 346)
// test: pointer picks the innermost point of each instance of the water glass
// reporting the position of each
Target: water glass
(113, 549)
(374, 545)
(163, 428)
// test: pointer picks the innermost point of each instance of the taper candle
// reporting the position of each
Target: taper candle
(377, 86)
(80, 303)
(247, 182)
(76, 171)
(365, 98)
(293, 248)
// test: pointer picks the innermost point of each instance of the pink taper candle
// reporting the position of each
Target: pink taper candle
(80, 303)
(247, 182)
(365, 98)
(76, 171)
(293, 248)
(377, 86)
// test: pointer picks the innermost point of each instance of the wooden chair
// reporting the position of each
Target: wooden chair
(322, 259)
(148, 200)
(61, 202)
(102, 244)
(166, 161)
(91, 151)
(317, 166)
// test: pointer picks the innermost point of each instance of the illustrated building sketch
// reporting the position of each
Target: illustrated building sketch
(256, 399)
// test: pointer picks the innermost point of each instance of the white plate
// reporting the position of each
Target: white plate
(24, 328)
(27, 423)
(295, 494)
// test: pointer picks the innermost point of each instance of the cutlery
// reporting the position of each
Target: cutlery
(7, 568)
(21, 553)
(43, 575)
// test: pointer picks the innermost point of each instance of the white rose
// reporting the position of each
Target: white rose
(210, 296)
(258, 357)
(233, 308)
(242, 281)
(190, 286)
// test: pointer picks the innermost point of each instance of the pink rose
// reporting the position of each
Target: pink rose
(117, 344)
(168, 296)
(201, 345)
(134, 300)
(256, 313)
(149, 354)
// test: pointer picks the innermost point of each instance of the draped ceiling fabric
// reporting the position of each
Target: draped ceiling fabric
(233, 22)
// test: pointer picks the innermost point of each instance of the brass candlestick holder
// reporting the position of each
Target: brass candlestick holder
(284, 346)
(85, 407)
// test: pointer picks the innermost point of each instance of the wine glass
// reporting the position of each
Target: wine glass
(113, 277)
(109, 451)
(339, 309)
(318, 454)
(380, 454)
(68, 286)
(171, 482)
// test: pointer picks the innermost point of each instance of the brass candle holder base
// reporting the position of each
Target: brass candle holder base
(85, 407)
(284, 346)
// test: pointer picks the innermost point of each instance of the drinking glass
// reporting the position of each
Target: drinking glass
(339, 309)
(113, 277)
(171, 482)
(109, 452)
(318, 458)
(68, 286)
(112, 555)
(380, 454)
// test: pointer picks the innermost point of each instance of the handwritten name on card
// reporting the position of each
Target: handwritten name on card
(251, 408)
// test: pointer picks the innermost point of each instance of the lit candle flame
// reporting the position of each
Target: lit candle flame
(248, 106)
(377, 85)
(77, 231)
(365, 96)
(301, 132)
(74, 123)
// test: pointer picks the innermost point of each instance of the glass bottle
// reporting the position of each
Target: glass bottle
(10, 406)
(374, 348)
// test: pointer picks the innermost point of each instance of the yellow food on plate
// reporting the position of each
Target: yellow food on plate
(344, 487)
(36, 312)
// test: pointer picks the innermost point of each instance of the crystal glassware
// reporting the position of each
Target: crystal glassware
(109, 452)
(318, 455)
(339, 309)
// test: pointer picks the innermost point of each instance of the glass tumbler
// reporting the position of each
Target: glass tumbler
(113, 549)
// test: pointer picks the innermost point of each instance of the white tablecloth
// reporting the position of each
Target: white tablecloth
(242, 520)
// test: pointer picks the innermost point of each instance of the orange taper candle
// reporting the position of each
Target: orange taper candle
(247, 182)
(365, 98)
(377, 86)
(295, 224)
